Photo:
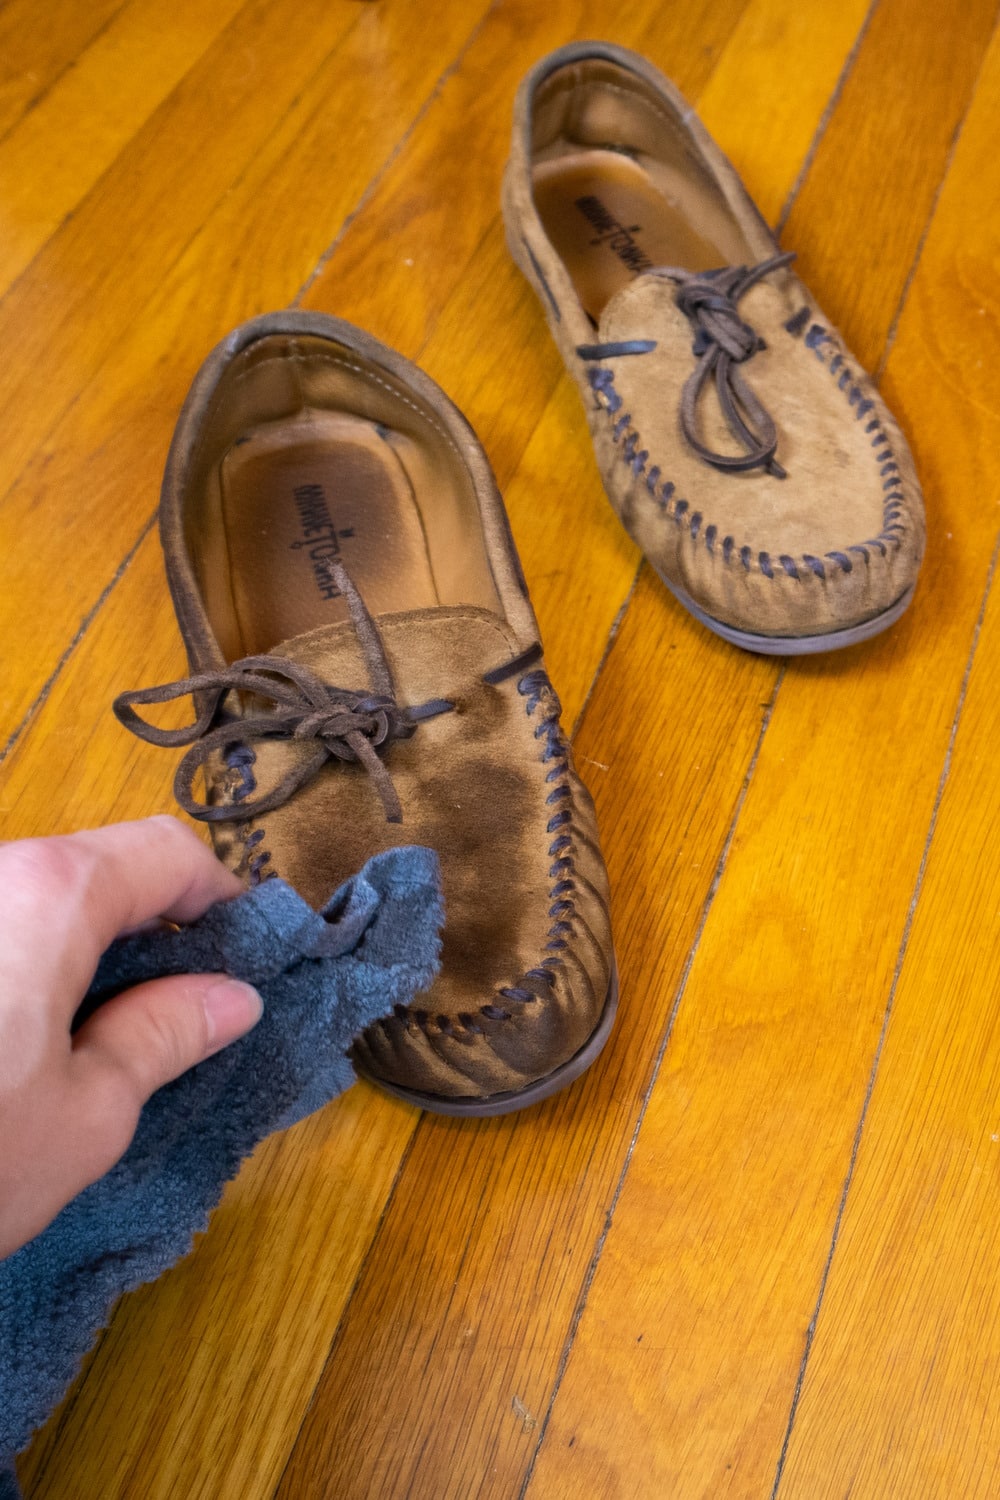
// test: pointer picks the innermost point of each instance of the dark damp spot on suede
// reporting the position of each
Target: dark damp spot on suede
(483, 800)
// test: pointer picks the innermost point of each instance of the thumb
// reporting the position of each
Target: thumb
(156, 1031)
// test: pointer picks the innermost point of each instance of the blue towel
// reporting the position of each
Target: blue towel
(323, 977)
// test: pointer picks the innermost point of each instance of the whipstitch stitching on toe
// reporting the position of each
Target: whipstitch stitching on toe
(602, 383)
(538, 690)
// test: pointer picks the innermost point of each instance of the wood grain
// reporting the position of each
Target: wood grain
(439, 1379)
(610, 1294)
(684, 1367)
(90, 113)
(103, 460)
(464, 1373)
(33, 58)
(150, 204)
(890, 137)
(907, 1336)
(145, 1400)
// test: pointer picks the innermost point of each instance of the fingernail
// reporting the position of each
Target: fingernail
(231, 1009)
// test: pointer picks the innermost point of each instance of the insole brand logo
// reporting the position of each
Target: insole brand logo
(617, 236)
(320, 538)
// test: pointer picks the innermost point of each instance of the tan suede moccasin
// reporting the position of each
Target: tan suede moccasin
(744, 449)
(367, 673)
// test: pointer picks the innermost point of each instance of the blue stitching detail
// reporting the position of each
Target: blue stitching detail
(538, 691)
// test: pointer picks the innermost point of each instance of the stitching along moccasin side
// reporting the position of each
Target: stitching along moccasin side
(367, 673)
(739, 441)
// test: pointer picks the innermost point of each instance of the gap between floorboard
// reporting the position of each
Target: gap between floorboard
(883, 1032)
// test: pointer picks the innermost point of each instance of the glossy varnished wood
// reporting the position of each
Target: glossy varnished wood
(793, 1129)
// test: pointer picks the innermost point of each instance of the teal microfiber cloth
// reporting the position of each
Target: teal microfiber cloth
(323, 978)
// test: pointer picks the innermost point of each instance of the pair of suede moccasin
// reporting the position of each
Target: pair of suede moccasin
(329, 519)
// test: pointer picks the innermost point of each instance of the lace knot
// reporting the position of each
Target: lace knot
(708, 299)
(336, 722)
(377, 718)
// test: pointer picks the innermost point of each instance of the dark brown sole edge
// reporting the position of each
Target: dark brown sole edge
(534, 1093)
(792, 645)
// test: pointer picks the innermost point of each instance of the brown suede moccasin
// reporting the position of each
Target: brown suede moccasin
(744, 449)
(367, 673)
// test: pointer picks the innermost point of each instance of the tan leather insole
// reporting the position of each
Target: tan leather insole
(608, 219)
(311, 487)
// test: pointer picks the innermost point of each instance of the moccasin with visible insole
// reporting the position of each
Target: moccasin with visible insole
(367, 673)
(738, 439)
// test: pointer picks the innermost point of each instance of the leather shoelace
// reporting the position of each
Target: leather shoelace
(724, 342)
(342, 724)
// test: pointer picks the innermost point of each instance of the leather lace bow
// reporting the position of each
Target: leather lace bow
(337, 723)
(724, 342)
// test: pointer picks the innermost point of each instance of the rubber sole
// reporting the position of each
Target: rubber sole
(506, 1104)
(793, 645)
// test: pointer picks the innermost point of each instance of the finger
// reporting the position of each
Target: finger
(166, 871)
(68, 897)
(155, 1032)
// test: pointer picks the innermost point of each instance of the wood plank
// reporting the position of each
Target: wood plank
(136, 1393)
(56, 154)
(99, 469)
(901, 1390)
(442, 1369)
(100, 781)
(107, 450)
(33, 57)
(901, 106)
(444, 1393)
(110, 257)
(685, 1363)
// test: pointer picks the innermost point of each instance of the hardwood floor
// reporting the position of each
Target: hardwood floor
(752, 1253)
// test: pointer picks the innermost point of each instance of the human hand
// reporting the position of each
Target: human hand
(69, 1104)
